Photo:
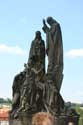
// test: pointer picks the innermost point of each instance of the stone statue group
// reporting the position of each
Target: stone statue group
(34, 89)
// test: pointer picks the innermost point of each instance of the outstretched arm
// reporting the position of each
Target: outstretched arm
(45, 28)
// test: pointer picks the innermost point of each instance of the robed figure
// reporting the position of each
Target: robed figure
(54, 50)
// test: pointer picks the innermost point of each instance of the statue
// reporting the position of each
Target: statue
(54, 50)
(54, 102)
(17, 86)
(34, 90)
(37, 52)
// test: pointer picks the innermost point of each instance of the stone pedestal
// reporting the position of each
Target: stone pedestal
(14, 122)
(73, 119)
(66, 120)
(25, 119)
(62, 120)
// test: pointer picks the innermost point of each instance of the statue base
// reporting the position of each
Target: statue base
(14, 122)
(25, 119)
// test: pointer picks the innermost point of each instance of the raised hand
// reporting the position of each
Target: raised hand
(44, 22)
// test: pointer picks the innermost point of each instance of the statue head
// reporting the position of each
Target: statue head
(50, 20)
(38, 34)
(21, 75)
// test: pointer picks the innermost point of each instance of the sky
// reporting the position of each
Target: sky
(20, 19)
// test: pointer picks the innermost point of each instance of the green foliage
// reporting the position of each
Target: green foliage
(2, 100)
(9, 101)
(80, 111)
(6, 101)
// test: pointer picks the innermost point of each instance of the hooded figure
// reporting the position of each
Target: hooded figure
(37, 53)
(54, 50)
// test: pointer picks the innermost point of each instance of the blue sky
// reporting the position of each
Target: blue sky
(19, 19)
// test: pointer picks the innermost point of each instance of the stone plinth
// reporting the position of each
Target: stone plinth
(62, 120)
(73, 119)
(14, 122)
(25, 119)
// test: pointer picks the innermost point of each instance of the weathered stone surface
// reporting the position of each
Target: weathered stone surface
(15, 122)
(34, 90)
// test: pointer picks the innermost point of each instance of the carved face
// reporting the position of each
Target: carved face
(50, 20)
(38, 34)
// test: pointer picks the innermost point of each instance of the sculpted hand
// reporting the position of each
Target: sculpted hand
(44, 22)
